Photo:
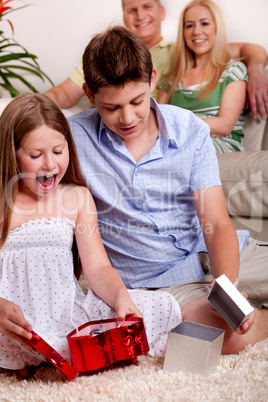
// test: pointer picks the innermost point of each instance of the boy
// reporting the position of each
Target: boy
(153, 172)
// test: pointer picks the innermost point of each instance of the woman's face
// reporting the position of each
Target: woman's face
(199, 30)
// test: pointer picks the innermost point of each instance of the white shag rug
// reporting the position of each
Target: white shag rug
(242, 377)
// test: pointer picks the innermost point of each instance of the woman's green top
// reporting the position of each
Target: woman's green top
(209, 106)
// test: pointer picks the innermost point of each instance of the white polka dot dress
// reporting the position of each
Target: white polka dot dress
(36, 273)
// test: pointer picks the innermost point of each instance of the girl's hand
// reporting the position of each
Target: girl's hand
(13, 323)
(126, 307)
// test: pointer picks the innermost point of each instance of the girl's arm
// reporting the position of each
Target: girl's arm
(103, 279)
(13, 323)
(232, 103)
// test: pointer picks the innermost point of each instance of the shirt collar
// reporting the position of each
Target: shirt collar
(162, 44)
(166, 131)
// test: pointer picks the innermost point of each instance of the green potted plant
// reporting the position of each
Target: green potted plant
(12, 63)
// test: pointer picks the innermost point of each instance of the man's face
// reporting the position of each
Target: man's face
(144, 17)
(124, 110)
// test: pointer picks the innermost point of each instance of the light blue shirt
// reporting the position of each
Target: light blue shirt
(147, 218)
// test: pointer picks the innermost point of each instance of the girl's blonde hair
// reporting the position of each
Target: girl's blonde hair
(22, 115)
(184, 58)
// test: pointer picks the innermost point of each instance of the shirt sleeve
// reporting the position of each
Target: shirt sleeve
(205, 168)
(77, 76)
(236, 71)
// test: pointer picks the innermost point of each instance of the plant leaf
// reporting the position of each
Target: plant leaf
(26, 61)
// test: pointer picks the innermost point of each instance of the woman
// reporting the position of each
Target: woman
(204, 79)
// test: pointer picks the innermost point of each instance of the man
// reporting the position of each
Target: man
(153, 173)
(144, 17)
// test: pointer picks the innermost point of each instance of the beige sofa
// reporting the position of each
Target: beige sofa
(244, 176)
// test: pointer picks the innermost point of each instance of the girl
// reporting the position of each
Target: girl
(44, 204)
(204, 79)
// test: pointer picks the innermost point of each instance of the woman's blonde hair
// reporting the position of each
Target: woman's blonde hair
(184, 58)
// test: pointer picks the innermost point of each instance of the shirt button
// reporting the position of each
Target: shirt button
(140, 201)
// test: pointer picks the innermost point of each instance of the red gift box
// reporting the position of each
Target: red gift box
(53, 356)
(96, 345)
(91, 350)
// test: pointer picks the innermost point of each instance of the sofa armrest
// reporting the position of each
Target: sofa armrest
(244, 177)
(3, 103)
(265, 137)
(80, 106)
(254, 133)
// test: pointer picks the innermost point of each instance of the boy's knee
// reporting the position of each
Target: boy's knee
(232, 344)
(200, 310)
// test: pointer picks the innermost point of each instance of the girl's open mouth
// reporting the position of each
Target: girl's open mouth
(47, 182)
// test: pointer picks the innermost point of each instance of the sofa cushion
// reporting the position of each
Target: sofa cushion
(244, 177)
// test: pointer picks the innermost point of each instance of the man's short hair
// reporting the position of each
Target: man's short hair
(157, 1)
(114, 58)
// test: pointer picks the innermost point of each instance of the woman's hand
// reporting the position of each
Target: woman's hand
(13, 323)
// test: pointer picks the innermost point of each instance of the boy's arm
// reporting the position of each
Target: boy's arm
(220, 237)
(218, 230)
(255, 58)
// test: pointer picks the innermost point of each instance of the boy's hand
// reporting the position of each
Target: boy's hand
(212, 283)
(13, 323)
(246, 325)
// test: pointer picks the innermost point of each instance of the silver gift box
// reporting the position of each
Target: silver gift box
(229, 302)
(193, 347)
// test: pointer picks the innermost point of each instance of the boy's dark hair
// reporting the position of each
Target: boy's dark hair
(115, 58)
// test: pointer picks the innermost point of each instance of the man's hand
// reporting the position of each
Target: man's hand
(257, 93)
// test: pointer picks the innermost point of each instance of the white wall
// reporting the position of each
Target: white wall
(57, 31)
